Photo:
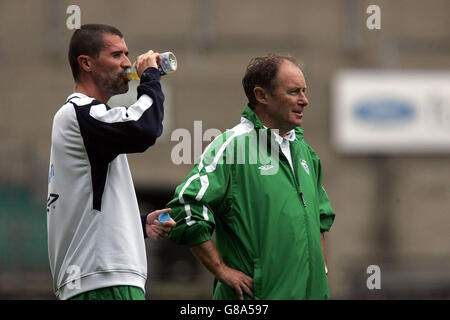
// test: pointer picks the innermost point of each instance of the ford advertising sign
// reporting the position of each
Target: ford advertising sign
(386, 112)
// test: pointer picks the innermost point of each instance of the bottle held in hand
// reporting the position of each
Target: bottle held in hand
(168, 65)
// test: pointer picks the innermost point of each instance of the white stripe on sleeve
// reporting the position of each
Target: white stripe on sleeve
(205, 184)
(205, 213)
(121, 114)
(189, 220)
(180, 196)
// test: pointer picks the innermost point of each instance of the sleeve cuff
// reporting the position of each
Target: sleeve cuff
(191, 235)
(144, 222)
(149, 74)
(326, 221)
(200, 237)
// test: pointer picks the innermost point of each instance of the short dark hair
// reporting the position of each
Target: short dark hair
(261, 72)
(88, 40)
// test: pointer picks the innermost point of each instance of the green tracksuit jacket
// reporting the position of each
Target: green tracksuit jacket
(267, 218)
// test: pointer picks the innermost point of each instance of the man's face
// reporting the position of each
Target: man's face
(286, 103)
(109, 68)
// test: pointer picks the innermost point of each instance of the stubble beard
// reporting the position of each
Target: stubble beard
(112, 84)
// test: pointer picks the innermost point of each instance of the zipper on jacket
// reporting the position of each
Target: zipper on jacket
(303, 199)
(292, 170)
(296, 179)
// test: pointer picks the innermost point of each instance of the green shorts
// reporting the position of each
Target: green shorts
(112, 293)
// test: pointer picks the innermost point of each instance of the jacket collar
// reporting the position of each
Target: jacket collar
(251, 116)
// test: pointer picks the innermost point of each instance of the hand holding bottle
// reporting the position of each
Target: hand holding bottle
(165, 62)
(147, 60)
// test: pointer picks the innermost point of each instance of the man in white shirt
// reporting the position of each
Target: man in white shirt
(95, 232)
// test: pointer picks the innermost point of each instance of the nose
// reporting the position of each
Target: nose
(303, 101)
(126, 63)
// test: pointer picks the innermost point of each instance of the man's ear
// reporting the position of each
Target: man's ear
(85, 63)
(260, 95)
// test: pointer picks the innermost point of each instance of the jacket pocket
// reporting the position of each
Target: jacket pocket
(257, 279)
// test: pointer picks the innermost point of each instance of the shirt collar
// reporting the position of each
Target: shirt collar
(290, 136)
(77, 95)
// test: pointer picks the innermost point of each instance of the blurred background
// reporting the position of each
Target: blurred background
(392, 201)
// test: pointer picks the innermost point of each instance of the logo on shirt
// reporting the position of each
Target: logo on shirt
(266, 167)
(305, 166)
(51, 173)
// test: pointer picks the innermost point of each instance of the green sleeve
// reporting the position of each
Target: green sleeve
(202, 194)
(326, 212)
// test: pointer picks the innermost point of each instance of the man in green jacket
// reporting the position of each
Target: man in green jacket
(259, 186)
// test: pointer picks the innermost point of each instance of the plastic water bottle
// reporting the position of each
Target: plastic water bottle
(163, 217)
(168, 65)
